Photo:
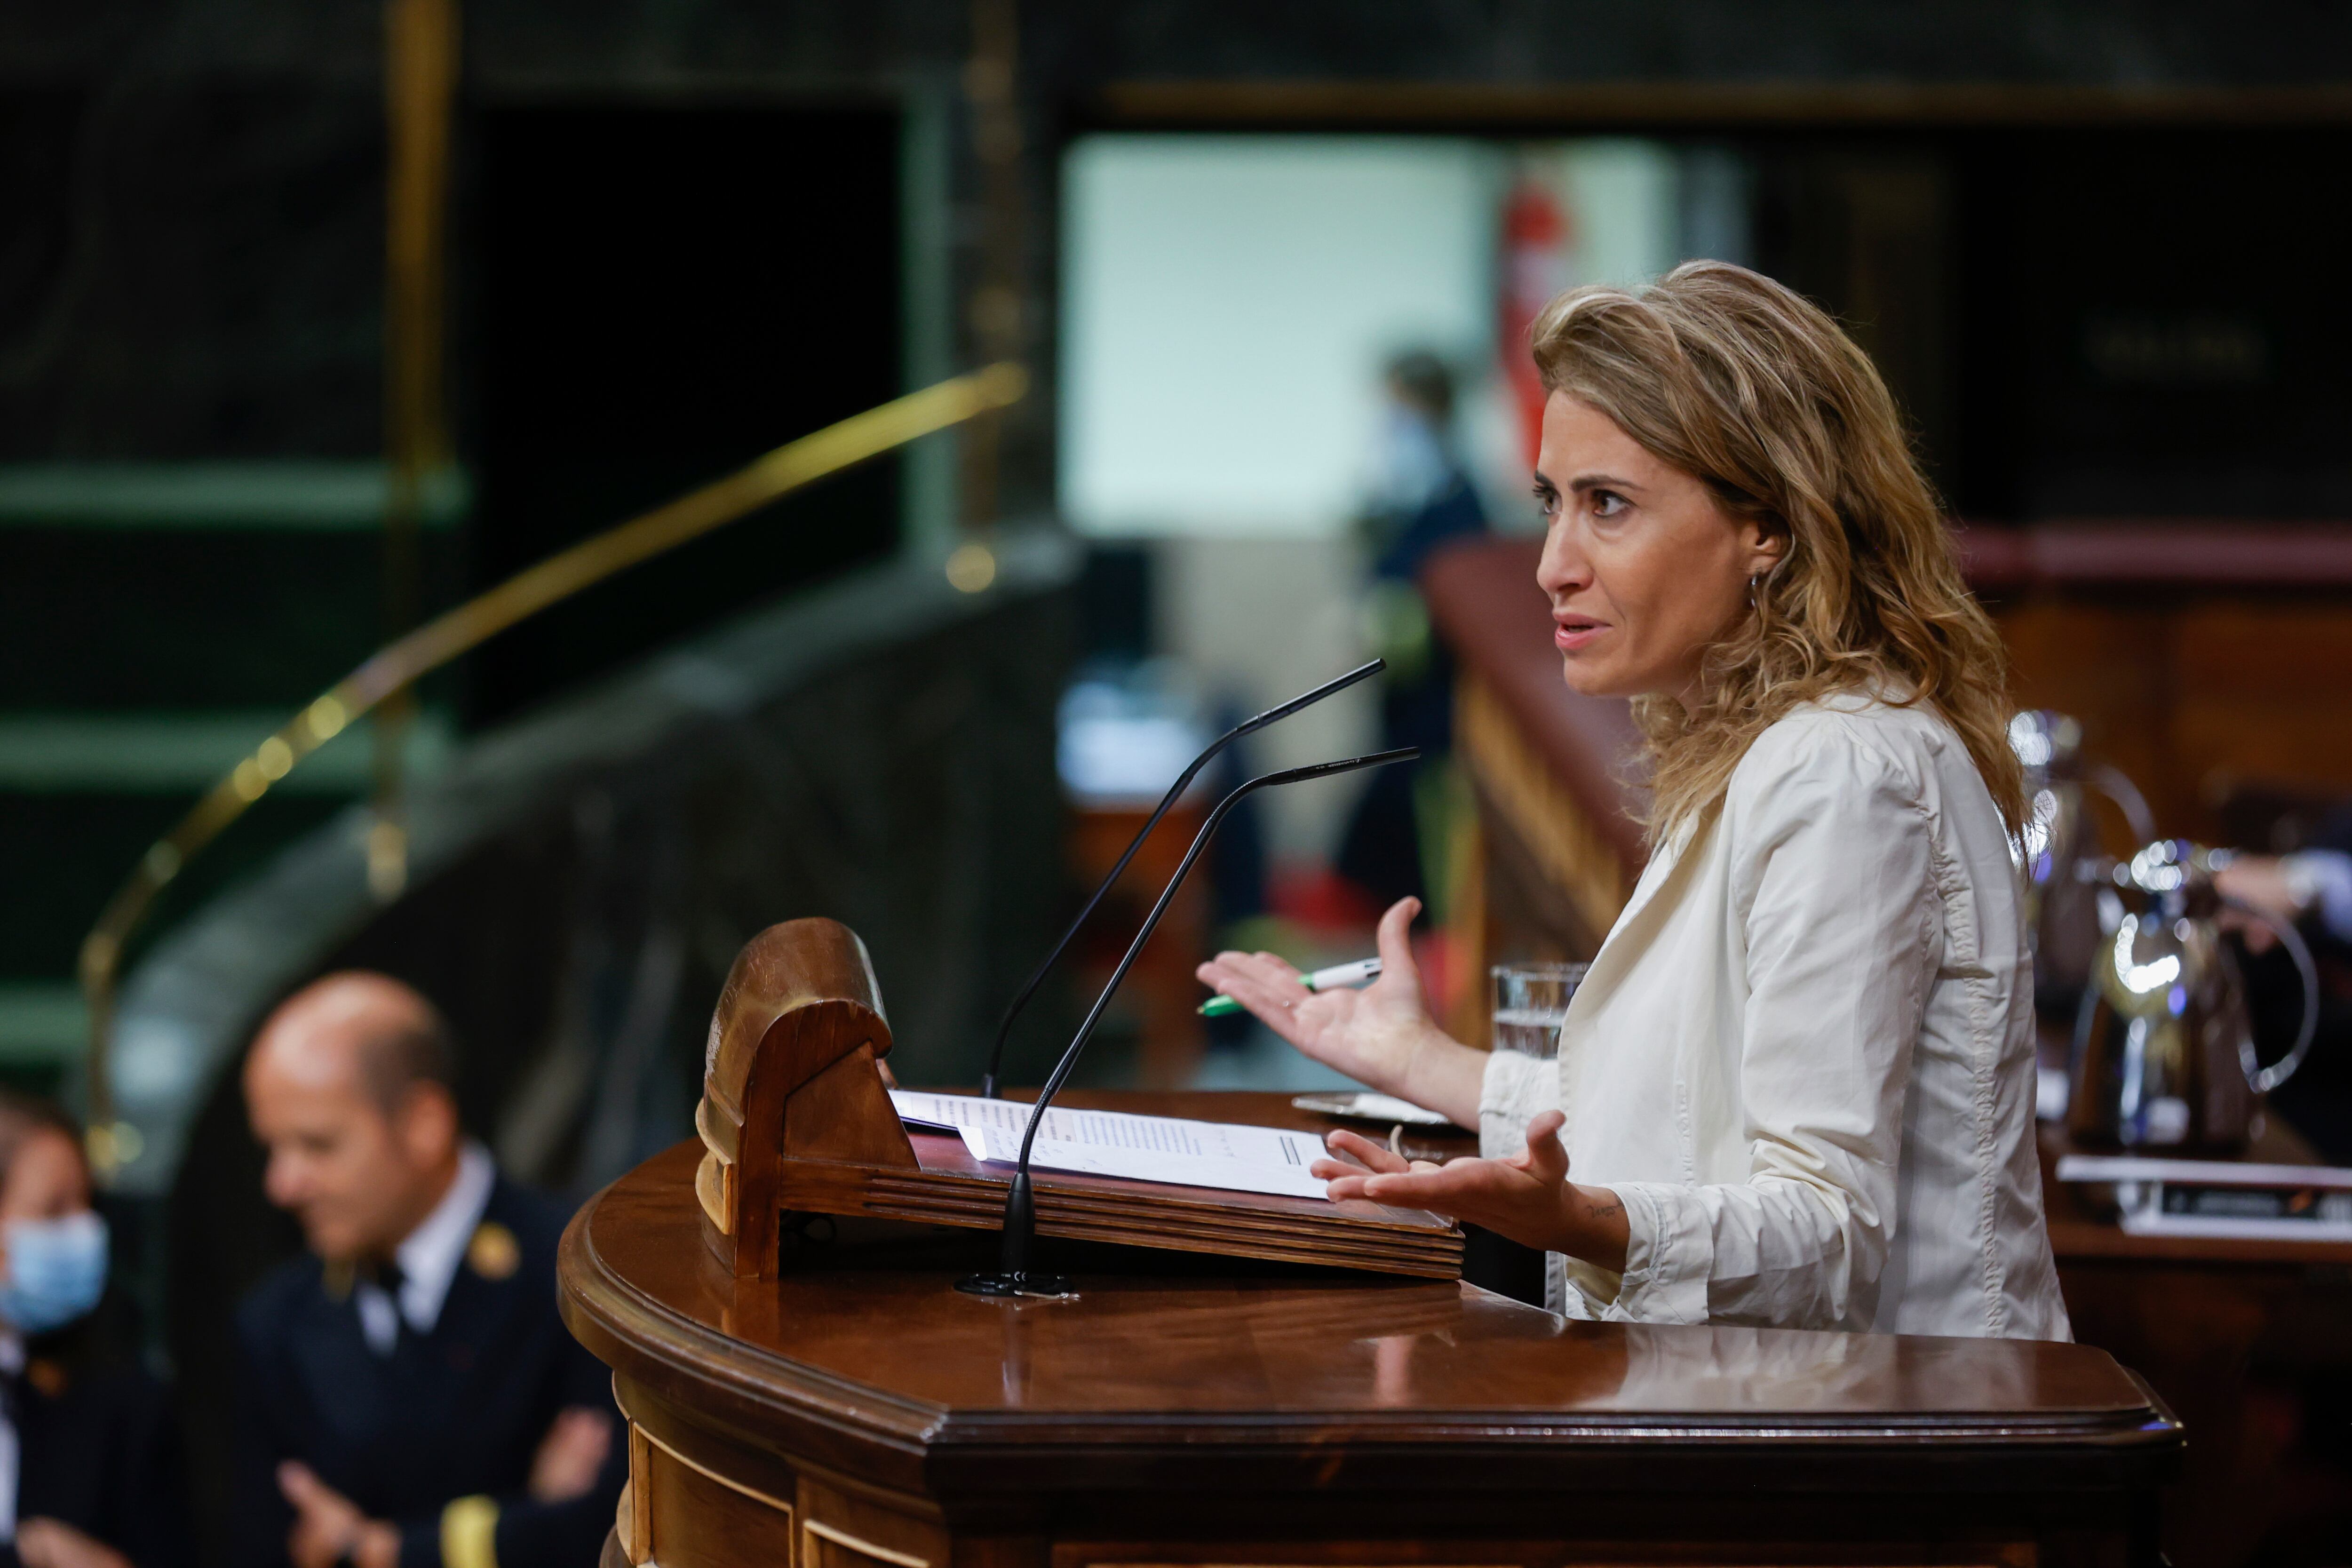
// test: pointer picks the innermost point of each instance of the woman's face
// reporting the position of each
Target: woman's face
(1643, 569)
(46, 1180)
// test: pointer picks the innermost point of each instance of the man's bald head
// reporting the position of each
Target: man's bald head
(363, 1027)
(348, 1089)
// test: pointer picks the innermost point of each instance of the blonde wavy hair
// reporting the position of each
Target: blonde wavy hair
(1756, 392)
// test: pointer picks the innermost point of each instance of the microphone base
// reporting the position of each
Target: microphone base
(1006, 1286)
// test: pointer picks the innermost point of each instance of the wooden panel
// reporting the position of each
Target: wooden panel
(1290, 1555)
(2191, 698)
(634, 1524)
(846, 1111)
(1558, 844)
(2265, 692)
(1578, 854)
(694, 1518)
(660, 1425)
(2194, 1332)
(824, 1546)
(1997, 1553)
(955, 1189)
(2159, 555)
(1484, 601)
(841, 1529)
(2109, 666)
(1435, 1554)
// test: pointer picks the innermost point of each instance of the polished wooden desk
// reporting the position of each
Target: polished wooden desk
(856, 1412)
(2225, 1328)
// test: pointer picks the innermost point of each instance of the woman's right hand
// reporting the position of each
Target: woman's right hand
(1381, 1035)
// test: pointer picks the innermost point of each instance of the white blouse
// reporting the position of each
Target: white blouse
(1803, 1058)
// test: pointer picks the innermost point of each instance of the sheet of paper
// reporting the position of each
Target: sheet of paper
(1219, 1154)
(961, 1110)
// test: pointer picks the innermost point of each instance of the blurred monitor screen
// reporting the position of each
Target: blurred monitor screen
(1229, 302)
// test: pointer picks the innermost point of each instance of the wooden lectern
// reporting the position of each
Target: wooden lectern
(796, 1048)
(839, 1404)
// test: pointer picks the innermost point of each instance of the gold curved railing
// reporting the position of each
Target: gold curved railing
(393, 667)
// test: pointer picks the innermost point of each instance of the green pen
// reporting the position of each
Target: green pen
(1338, 975)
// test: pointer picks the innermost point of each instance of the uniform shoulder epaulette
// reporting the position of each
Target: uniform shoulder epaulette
(493, 1253)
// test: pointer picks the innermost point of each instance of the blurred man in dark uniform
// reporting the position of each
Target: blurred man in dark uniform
(408, 1394)
(89, 1473)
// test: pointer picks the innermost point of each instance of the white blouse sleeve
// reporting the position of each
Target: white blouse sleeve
(1834, 899)
(1516, 1090)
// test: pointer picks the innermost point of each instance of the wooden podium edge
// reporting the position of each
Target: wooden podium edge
(702, 1373)
(1144, 1215)
(796, 1117)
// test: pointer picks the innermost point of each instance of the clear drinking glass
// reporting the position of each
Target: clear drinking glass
(1531, 1004)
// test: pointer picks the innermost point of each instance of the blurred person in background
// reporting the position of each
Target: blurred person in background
(89, 1473)
(2292, 888)
(1422, 498)
(2311, 888)
(408, 1394)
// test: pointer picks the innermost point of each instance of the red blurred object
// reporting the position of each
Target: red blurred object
(1537, 236)
(1321, 899)
(1444, 971)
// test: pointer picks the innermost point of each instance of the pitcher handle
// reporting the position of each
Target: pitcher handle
(2116, 786)
(2266, 1078)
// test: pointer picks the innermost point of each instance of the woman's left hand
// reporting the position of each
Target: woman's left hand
(1382, 1035)
(1527, 1198)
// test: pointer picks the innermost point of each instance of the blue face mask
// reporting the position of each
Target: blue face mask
(56, 1271)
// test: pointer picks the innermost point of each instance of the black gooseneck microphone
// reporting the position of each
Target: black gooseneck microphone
(988, 1085)
(1013, 1275)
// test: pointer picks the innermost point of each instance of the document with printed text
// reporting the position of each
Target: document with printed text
(1224, 1155)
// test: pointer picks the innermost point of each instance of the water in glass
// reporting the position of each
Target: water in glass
(1531, 1004)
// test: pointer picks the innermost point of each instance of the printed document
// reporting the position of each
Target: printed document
(1221, 1155)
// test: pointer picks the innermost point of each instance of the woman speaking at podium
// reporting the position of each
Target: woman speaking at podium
(1795, 1088)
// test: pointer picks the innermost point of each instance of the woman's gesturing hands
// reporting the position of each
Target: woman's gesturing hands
(1381, 1035)
(1384, 1036)
(1527, 1198)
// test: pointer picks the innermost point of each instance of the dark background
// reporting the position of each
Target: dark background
(666, 292)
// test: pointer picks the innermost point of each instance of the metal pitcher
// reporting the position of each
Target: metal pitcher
(2058, 852)
(2164, 1044)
